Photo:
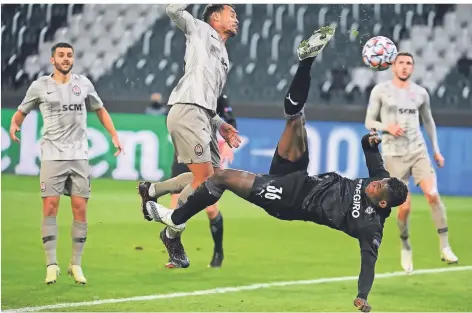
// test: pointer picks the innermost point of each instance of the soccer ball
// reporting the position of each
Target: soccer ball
(379, 52)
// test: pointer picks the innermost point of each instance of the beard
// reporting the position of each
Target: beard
(63, 71)
(231, 32)
(404, 79)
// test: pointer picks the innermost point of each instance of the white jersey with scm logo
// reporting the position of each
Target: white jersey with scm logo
(402, 106)
(206, 61)
(64, 112)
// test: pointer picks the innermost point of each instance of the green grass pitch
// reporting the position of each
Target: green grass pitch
(258, 249)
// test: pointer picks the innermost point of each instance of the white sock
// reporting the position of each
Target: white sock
(171, 234)
(152, 190)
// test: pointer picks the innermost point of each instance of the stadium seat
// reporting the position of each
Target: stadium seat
(138, 49)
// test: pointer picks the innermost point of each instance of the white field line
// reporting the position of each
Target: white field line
(234, 289)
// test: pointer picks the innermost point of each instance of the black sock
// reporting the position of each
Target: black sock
(308, 62)
(216, 227)
(298, 92)
(205, 195)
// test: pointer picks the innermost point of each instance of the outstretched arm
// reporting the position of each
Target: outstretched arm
(373, 159)
(367, 274)
(369, 242)
(181, 18)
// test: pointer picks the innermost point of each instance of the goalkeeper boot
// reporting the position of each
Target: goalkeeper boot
(52, 271)
(76, 272)
(311, 47)
(143, 191)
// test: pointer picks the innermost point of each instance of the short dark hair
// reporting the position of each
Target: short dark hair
(60, 45)
(212, 8)
(406, 54)
(397, 192)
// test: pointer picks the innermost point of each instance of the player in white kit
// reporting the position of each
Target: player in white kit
(192, 120)
(63, 98)
(400, 103)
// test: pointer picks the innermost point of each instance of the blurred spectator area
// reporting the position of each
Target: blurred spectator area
(129, 51)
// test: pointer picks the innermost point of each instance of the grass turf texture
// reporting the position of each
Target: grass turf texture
(258, 249)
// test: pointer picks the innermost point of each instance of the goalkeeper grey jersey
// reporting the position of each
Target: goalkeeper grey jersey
(402, 106)
(63, 108)
(206, 61)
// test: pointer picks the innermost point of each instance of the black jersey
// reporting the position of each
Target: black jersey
(342, 204)
(289, 193)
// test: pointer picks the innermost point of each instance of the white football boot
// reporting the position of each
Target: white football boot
(407, 260)
(161, 214)
(448, 256)
(52, 271)
(311, 47)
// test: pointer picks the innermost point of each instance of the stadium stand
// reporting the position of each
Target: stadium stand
(137, 50)
(26, 28)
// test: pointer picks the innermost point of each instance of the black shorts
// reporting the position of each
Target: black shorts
(282, 191)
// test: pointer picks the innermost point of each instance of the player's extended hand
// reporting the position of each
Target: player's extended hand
(230, 135)
(13, 130)
(362, 305)
(395, 130)
(117, 144)
(374, 138)
(439, 159)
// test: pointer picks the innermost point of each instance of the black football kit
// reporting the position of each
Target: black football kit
(289, 193)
